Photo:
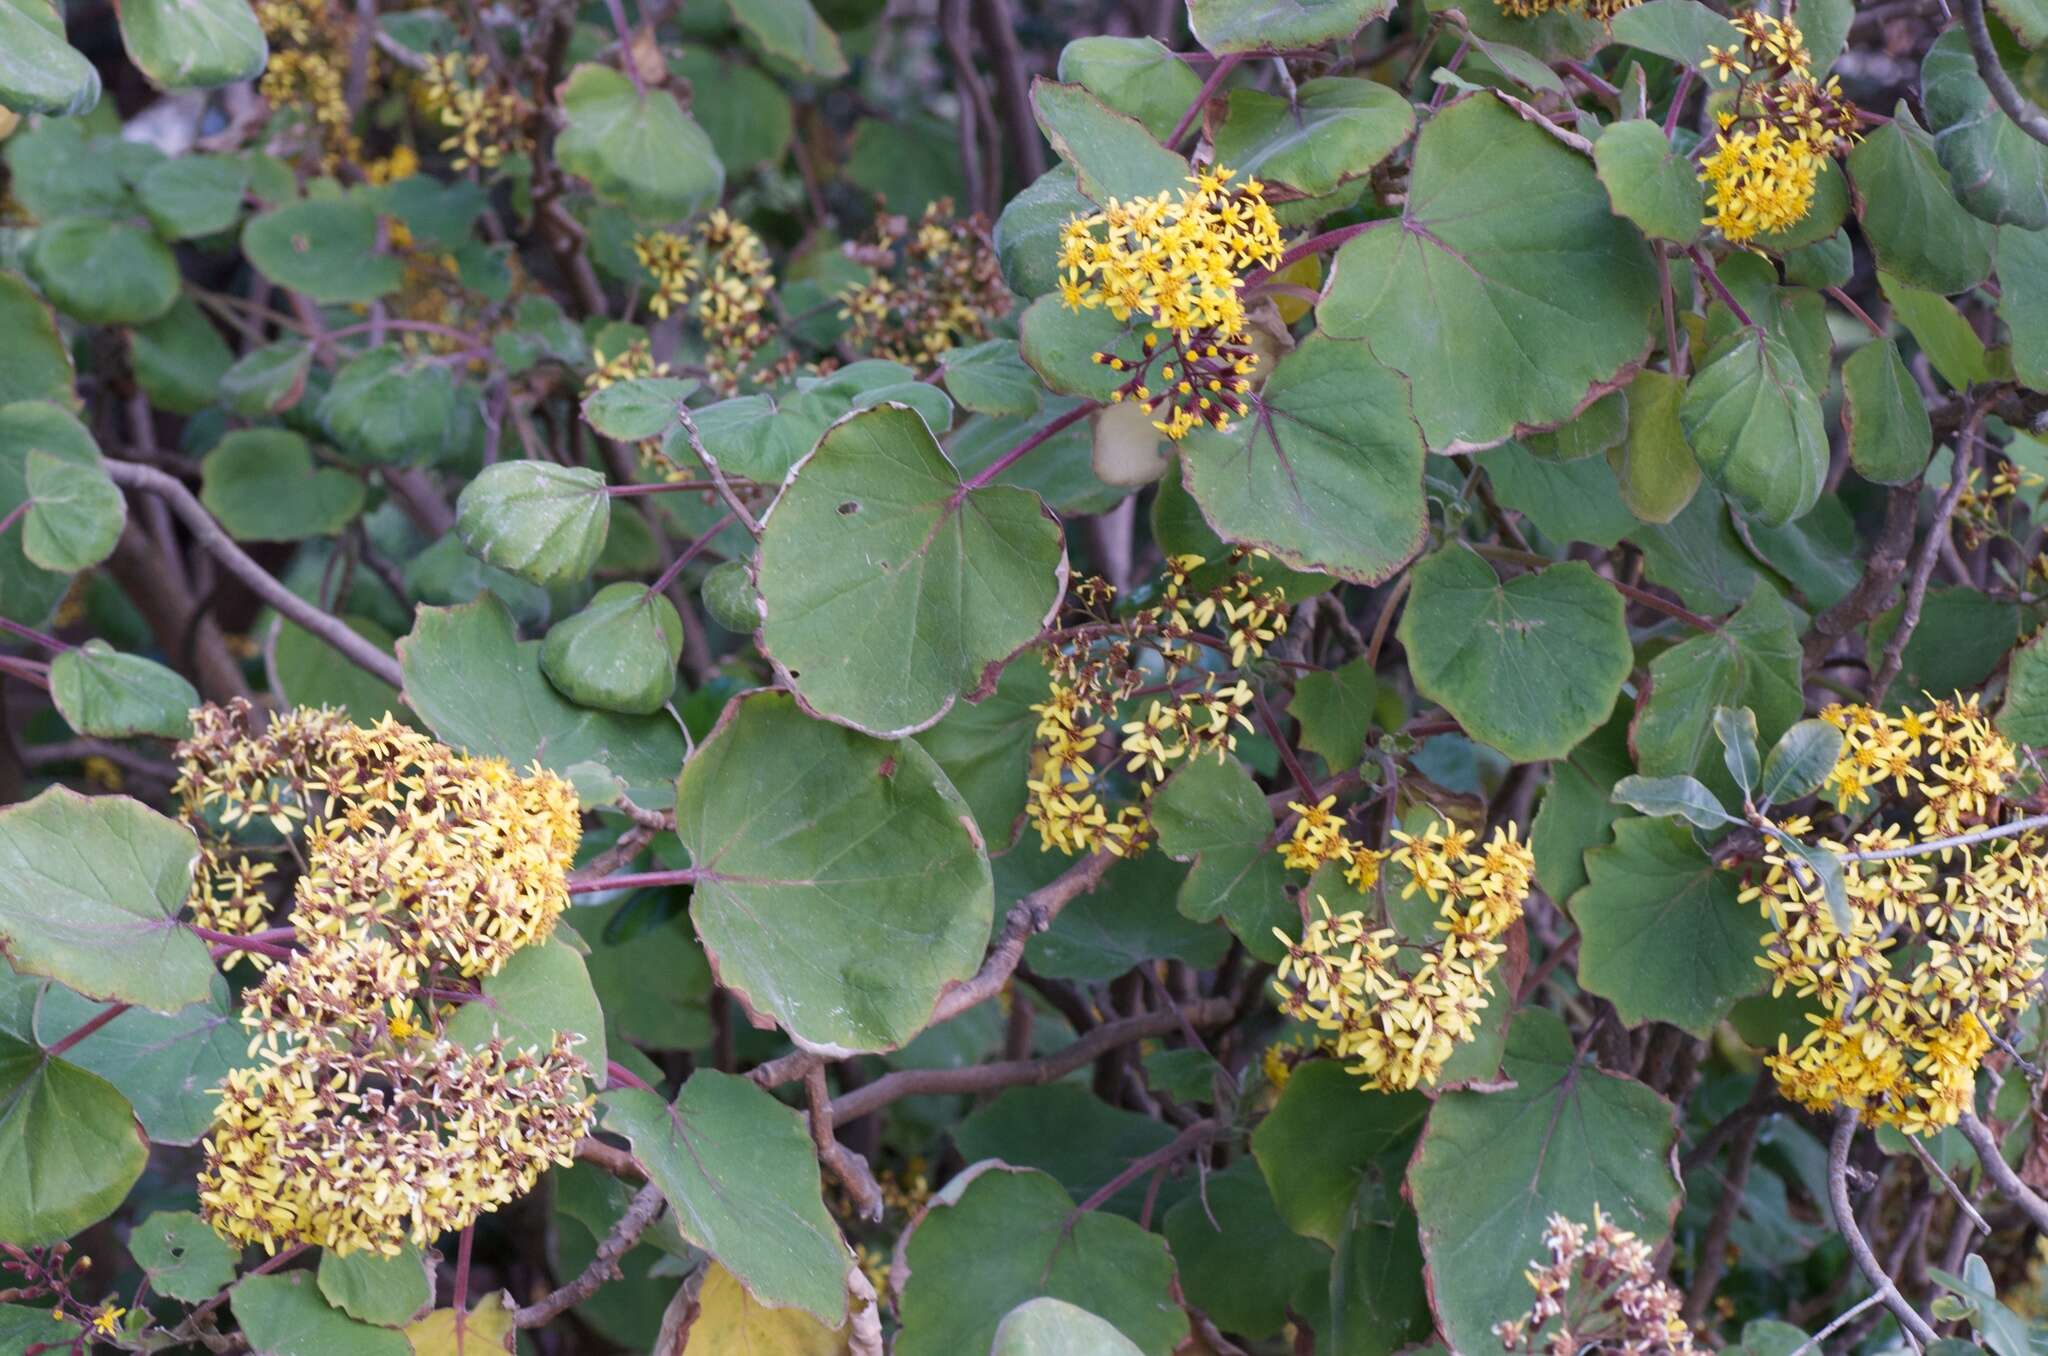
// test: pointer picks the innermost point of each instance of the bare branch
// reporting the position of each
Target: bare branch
(640, 1213)
(1845, 1220)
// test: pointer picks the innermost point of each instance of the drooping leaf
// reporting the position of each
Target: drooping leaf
(187, 44)
(2023, 301)
(487, 1326)
(619, 653)
(641, 151)
(373, 1288)
(846, 884)
(182, 1255)
(1999, 172)
(1883, 415)
(1493, 1166)
(1577, 811)
(325, 248)
(1648, 182)
(262, 485)
(1027, 234)
(738, 1170)
(1112, 154)
(90, 889)
(39, 71)
(268, 380)
(1915, 226)
(889, 587)
(29, 430)
(1332, 131)
(544, 522)
(166, 1066)
(1531, 666)
(1948, 339)
(1446, 290)
(284, 1315)
(1755, 426)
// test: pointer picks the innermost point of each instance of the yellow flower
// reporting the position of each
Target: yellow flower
(107, 1321)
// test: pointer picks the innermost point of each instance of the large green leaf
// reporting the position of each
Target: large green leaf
(90, 888)
(1662, 935)
(388, 406)
(285, 1315)
(262, 485)
(374, 1288)
(984, 748)
(39, 71)
(1494, 1166)
(1999, 172)
(1112, 154)
(31, 430)
(1681, 30)
(2023, 301)
(1275, 25)
(544, 522)
(104, 272)
(183, 44)
(889, 588)
(845, 884)
(1138, 76)
(325, 248)
(1212, 813)
(1578, 811)
(997, 1236)
(1323, 1136)
(38, 365)
(751, 122)
(1531, 666)
(738, 1170)
(1915, 226)
(182, 1256)
(1884, 416)
(1752, 661)
(1755, 426)
(640, 150)
(1065, 1130)
(1506, 261)
(1333, 131)
(194, 195)
(1239, 1262)
(1654, 469)
(1962, 636)
(70, 1147)
(168, 1067)
(479, 687)
(1326, 470)
(1648, 182)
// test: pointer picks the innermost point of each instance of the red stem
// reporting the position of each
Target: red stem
(1678, 101)
(100, 1019)
(29, 633)
(1315, 244)
(690, 553)
(636, 880)
(621, 1076)
(1720, 289)
(262, 943)
(1222, 70)
(1019, 452)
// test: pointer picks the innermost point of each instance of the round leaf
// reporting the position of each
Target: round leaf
(1138, 76)
(182, 1256)
(1755, 427)
(641, 151)
(285, 1316)
(1052, 1327)
(1112, 154)
(183, 44)
(543, 522)
(104, 272)
(1648, 182)
(39, 71)
(168, 1067)
(374, 1288)
(1332, 131)
(325, 248)
(75, 513)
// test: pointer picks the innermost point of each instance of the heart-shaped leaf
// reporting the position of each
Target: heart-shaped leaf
(111, 695)
(1755, 426)
(619, 653)
(75, 513)
(544, 522)
(104, 272)
(1332, 131)
(69, 1145)
(261, 484)
(325, 248)
(640, 150)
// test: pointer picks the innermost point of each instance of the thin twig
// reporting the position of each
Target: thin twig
(1934, 1168)
(1217, 76)
(1933, 845)
(640, 1213)
(2001, 1173)
(843, 1163)
(1847, 1316)
(1845, 1221)
(718, 480)
(1894, 657)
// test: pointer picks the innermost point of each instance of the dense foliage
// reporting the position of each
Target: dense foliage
(1022, 677)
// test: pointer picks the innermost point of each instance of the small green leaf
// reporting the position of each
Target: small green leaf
(70, 1146)
(1944, 334)
(179, 358)
(1648, 182)
(1577, 813)
(194, 195)
(730, 597)
(284, 1315)
(1335, 709)
(1112, 153)
(1125, 924)
(373, 1288)
(325, 248)
(188, 44)
(641, 151)
(1663, 797)
(267, 380)
(1735, 727)
(1654, 469)
(990, 377)
(541, 990)
(1275, 25)
(1799, 762)
(543, 522)
(1212, 813)
(1027, 234)
(261, 484)
(103, 272)
(1884, 416)
(640, 407)
(1755, 426)
(1752, 662)
(75, 513)
(1052, 1327)
(110, 695)
(2023, 301)
(619, 653)
(38, 365)
(386, 406)
(790, 33)
(1680, 30)
(182, 1256)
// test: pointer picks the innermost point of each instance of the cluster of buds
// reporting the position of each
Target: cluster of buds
(930, 290)
(1176, 262)
(486, 118)
(1776, 136)
(1983, 509)
(1942, 943)
(1397, 1007)
(1600, 1292)
(49, 1274)
(362, 1127)
(1105, 663)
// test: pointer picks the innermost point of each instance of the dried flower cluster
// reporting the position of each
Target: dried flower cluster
(1398, 1008)
(1776, 138)
(361, 1127)
(1104, 665)
(722, 272)
(1942, 944)
(1176, 262)
(1601, 1292)
(930, 290)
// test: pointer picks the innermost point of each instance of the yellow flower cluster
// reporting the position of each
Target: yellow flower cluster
(1600, 10)
(1318, 837)
(360, 1127)
(1600, 1292)
(1176, 261)
(1775, 140)
(310, 42)
(1942, 946)
(486, 118)
(931, 289)
(672, 264)
(1398, 1008)
(1103, 668)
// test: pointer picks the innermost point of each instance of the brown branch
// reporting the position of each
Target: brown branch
(1880, 575)
(610, 1159)
(1859, 1248)
(849, 1167)
(2025, 115)
(1930, 551)
(2001, 1173)
(1713, 1249)
(640, 1213)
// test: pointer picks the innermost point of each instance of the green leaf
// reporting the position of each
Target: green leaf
(2023, 301)
(997, 1236)
(1799, 762)
(1550, 310)
(1068, 1132)
(640, 151)
(730, 597)
(38, 363)
(1494, 1166)
(1531, 666)
(70, 1146)
(1568, 501)
(738, 1170)
(1211, 812)
(1027, 234)
(39, 71)
(846, 884)
(909, 162)
(1335, 708)
(1239, 1262)
(1684, 796)
(29, 428)
(1112, 154)
(790, 32)
(1323, 1137)
(1999, 172)
(90, 889)
(1680, 30)
(373, 1288)
(751, 122)
(1884, 417)
(284, 1315)
(261, 484)
(544, 522)
(540, 991)
(325, 248)
(1654, 469)
(1755, 426)
(387, 406)
(1136, 76)
(1662, 935)
(1326, 470)
(478, 687)
(1752, 662)
(1577, 811)
(307, 671)
(103, 272)
(110, 695)
(1332, 131)
(182, 1256)
(1949, 340)
(267, 380)
(1121, 926)
(75, 513)
(1962, 636)
(639, 407)
(1915, 226)
(187, 44)
(1180, 529)
(2024, 716)
(168, 1067)
(23, 1326)
(1275, 25)
(991, 378)
(654, 982)
(888, 587)
(1735, 728)
(619, 653)
(193, 195)
(1052, 1327)
(1648, 182)
(179, 358)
